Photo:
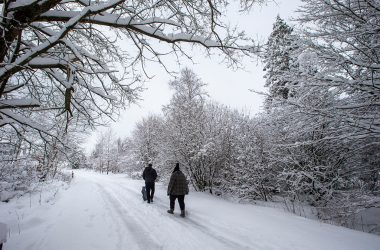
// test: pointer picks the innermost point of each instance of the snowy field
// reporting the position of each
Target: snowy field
(106, 212)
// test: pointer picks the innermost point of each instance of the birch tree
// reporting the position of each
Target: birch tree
(147, 138)
(185, 117)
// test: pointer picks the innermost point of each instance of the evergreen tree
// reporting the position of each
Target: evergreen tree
(278, 59)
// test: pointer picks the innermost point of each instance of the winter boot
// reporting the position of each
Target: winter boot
(183, 213)
(171, 211)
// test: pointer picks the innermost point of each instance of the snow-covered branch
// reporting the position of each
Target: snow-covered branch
(59, 45)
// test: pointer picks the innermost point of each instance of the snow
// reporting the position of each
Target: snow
(3, 232)
(22, 3)
(101, 211)
(140, 26)
(99, 91)
(44, 61)
(19, 102)
(22, 120)
(109, 18)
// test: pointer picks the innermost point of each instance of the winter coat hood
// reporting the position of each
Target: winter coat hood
(178, 184)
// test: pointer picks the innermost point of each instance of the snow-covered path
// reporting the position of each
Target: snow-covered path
(107, 212)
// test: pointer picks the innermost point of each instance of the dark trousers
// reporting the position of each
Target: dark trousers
(149, 190)
(181, 201)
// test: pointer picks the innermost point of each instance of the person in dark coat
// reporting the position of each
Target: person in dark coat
(177, 189)
(150, 176)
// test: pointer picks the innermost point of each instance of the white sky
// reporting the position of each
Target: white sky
(224, 85)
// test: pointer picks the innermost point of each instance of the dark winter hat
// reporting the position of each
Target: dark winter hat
(176, 167)
(150, 165)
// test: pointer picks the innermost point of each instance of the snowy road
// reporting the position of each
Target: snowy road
(107, 212)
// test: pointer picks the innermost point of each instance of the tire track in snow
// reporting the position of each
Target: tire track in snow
(188, 222)
(139, 234)
(206, 230)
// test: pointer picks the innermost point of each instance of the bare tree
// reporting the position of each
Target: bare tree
(64, 56)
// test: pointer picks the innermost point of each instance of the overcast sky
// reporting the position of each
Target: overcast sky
(225, 85)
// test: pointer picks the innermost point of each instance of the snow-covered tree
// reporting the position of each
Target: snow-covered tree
(185, 117)
(147, 140)
(345, 43)
(63, 56)
(104, 156)
(246, 173)
(320, 134)
(221, 150)
(126, 156)
(347, 79)
(278, 59)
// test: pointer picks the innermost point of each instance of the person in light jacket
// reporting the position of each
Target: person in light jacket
(177, 189)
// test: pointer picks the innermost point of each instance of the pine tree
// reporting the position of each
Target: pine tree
(278, 60)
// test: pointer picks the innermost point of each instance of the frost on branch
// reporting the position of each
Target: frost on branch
(47, 47)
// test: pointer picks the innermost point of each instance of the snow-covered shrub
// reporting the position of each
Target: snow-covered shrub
(16, 178)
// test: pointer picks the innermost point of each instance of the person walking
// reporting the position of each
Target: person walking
(150, 176)
(177, 189)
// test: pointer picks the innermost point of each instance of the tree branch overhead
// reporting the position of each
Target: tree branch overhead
(71, 38)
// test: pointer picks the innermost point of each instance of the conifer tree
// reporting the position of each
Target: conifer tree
(278, 59)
